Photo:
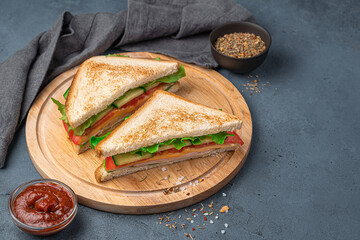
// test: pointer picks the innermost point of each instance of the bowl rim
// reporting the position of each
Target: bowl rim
(16, 192)
(243, 22)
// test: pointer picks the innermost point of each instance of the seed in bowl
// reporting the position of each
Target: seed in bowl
(240, 45)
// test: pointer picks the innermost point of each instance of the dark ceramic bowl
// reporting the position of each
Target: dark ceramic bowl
(240, 65)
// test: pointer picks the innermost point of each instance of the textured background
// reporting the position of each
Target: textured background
(301, 179)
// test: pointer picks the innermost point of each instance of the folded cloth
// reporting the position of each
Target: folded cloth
(176, 28)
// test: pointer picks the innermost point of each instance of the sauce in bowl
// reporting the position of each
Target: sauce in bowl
(43, 205)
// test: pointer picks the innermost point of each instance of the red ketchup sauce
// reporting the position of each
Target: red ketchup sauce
(43, 205)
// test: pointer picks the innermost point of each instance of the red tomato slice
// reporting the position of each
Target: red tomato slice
(75, 139)
(65, 126)
(234, 139)
(110, 164)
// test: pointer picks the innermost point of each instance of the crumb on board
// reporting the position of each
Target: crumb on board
(224, 209)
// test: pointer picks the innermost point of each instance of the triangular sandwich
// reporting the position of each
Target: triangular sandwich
(165, 130)
(106, 89)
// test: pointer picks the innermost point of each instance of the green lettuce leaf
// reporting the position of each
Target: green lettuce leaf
(80, 129)
(127, 117)
(170, 78)
(157, 58)
(66, 93)
(88, 123)
(153, 148)
(95, 140)
(61, 108)
(179, 143)
(220, 137)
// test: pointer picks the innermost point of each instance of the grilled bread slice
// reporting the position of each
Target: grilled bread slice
(101, 80)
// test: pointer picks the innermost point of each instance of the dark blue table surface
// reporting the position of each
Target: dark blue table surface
(301, 178)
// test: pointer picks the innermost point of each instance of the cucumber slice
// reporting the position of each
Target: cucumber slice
(131, 94)
(126, 158)
(127, 97)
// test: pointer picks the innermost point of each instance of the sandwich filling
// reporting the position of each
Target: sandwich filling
(119, 109)
(168, 150)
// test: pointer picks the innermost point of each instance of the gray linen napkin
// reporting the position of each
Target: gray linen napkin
(176, 28)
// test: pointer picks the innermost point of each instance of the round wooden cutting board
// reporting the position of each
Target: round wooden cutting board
(142, 192)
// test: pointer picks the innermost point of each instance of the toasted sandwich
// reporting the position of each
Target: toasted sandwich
(165, 130)
(107, 89)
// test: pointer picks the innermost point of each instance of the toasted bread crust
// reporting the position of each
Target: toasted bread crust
(100, 80)
(165, 116)
(101, 175)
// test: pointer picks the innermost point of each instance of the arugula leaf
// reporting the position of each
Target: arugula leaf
(170, 78)
(116, 55)
(66, 93)
(95, 140)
